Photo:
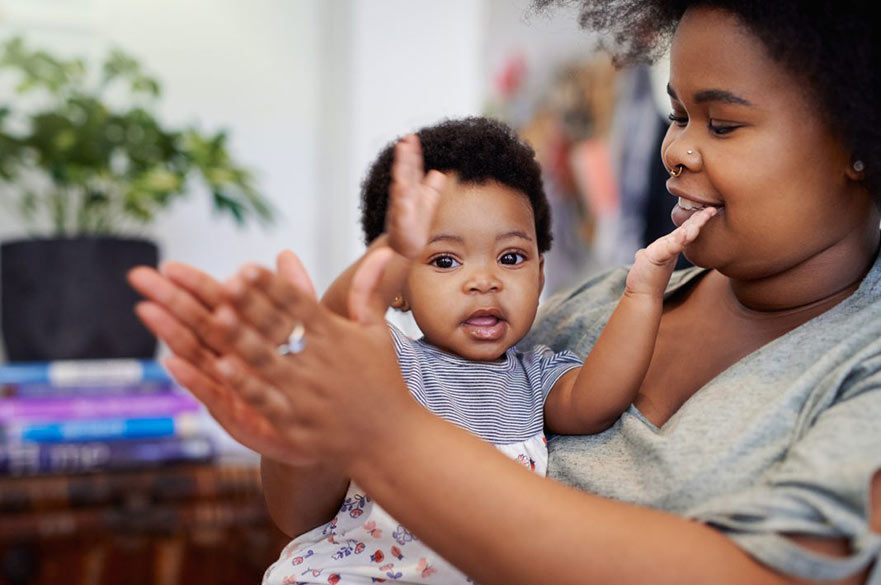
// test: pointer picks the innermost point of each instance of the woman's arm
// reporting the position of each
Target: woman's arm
(496, 521)
(501, 524)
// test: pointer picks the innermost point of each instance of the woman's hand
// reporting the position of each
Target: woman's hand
(179, 312)
(298, 409)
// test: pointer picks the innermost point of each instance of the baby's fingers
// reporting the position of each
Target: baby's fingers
(667, 248)
(693, 225)
(407, 169)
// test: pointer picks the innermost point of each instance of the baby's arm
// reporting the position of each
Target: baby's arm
(413, 197)
(590, 399)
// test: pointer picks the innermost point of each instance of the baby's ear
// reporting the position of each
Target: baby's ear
(541, 273)
(399, 303)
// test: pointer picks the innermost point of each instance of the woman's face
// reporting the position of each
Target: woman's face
(751, 142)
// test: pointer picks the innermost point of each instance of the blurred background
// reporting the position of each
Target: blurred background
(217, 132)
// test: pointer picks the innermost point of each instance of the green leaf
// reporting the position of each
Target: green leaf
(108, 165)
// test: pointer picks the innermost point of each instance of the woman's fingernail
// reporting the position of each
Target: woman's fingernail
(235, 286)
(251, 273)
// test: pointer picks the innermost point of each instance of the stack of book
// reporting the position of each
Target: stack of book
(103, 415)
(186, 524)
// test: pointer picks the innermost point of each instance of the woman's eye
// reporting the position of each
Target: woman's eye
(511, 258)
(678, 120)
(721, 129)
(444, 262)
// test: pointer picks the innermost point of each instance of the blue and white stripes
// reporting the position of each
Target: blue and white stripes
(500, 402)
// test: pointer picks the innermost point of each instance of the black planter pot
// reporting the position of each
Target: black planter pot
(67, 298)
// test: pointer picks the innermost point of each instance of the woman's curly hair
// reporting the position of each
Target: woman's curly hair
(479, 150)
(830, 45)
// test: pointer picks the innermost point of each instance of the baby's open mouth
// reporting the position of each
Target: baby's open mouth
(482, 321)
(485, 325)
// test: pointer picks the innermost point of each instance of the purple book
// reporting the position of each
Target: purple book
(29, 410)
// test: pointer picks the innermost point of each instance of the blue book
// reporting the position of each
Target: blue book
(108, 429)
(114, 372)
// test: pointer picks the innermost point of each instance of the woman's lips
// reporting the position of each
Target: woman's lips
(485, 327)
(685, 208)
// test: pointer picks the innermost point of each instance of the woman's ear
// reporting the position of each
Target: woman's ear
(399, 303)
(854, 171)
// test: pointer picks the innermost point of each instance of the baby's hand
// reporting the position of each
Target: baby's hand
(413, 197)
(653, 266)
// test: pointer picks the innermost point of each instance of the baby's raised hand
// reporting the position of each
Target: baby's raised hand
(413, 197)
(654, 264)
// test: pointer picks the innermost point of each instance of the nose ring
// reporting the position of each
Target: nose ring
(676, 171)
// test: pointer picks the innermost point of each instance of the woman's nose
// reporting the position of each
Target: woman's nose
(679, 152)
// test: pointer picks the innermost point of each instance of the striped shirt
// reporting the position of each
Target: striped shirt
(501, 402)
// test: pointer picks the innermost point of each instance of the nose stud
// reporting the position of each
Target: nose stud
(676, 171)
(689, 151)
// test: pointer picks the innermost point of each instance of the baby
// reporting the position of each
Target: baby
(466, 244)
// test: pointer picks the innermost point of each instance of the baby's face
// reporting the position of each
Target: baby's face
(474, 290)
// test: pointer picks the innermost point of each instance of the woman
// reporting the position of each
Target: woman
(752, 453)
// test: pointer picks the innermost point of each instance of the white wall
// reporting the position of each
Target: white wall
(413, 62)
(309, 90)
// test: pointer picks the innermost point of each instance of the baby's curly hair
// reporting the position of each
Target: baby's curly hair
(831, 45)
(479, 150)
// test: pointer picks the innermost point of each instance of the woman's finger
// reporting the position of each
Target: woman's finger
(199, 284)
(255, 307)
(292, 270)
(287, 291)
(180, 339)
(185, 309)
(243, 423)
(259, 354)
(261, 396)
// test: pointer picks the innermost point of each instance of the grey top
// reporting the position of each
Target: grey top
(786, 440)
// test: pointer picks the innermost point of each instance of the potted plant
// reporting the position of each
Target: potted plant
(85, 164)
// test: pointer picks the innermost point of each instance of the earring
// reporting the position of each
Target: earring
(400, 303)
(859, 166)
(676, 171)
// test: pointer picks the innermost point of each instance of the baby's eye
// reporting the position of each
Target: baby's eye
(511, 258)
(444, 262)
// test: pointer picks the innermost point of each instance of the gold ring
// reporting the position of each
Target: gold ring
(676, 171)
